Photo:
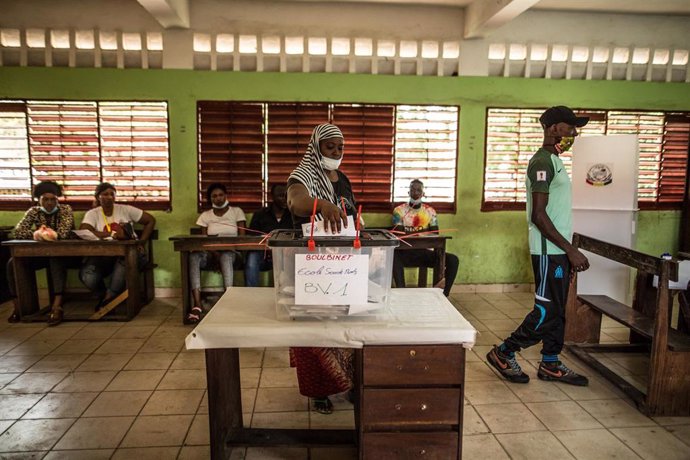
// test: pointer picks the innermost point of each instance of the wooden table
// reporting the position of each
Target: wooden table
(438, 244)
(409, 373)
(185, 244)
(4, 257)
(27, 294)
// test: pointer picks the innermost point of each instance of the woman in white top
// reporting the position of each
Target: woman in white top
(109, 220)
(222, 219)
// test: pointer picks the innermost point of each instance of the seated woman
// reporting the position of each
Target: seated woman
(46, 222)
(110, 221)
(221, 219)
(322, 372)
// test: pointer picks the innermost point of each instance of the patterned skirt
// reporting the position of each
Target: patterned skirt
(322, 371)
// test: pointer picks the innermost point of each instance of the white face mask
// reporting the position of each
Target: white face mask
(330, 164)
(52, 211)
(223, 206)
(415, 202)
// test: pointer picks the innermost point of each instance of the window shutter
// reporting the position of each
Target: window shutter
(426, 149)
(369, 133)
(663, 142)
(649, 127)
(674, 159)
(231, 149)
(512, 137)
(64, 147)
(134, 151)
(289, 130)
(15, 174)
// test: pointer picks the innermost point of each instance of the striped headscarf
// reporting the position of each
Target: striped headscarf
(309, 172)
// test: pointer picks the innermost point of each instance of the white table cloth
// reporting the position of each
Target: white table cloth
(246, 318)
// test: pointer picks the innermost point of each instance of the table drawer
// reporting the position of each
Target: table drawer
(408, 446)
(400, 408)
(414, 365)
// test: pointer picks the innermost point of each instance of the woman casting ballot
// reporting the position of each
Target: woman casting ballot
(317, 177)
(322, 372)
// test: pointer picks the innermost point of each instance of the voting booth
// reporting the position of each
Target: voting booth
(604, 178)
(335, 279)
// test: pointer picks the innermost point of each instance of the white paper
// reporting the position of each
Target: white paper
(86, 235)
(351, 230)
(356, 309)
(331, 279)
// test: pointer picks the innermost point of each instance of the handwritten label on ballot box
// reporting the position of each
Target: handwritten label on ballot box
(331, 279)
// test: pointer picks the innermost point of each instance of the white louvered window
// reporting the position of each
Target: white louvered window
(386, 146)
(82, 143)
(426, 143)
(15, 182)
(514, 135)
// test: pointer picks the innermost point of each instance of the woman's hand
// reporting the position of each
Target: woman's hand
(332, 217)
(45, 234)
(119, 233)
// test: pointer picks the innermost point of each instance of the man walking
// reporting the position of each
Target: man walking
(549, 216)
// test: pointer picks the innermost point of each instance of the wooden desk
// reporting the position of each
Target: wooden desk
(185, 244)
(435, 242)
(409, 373)
(27, 295)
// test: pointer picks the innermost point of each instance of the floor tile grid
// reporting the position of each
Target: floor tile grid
(495, 303)
(591, 405)
(78, 326)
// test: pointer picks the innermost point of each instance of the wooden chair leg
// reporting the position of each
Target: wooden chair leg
(421, 277)
(684, 312)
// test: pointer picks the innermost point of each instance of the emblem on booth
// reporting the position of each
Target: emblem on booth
(599, 174)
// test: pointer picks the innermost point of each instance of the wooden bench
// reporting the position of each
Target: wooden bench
(5, 232)
(148, 288)
(186, 244)
(668, 389)
(139, 291)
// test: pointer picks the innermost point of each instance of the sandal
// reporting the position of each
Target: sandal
(14, 317)
(56, 316)
(194, 315)
(323, 405)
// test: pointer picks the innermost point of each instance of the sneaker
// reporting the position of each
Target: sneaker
(506, 365)
(559, 372)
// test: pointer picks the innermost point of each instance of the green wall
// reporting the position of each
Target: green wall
(492, 246)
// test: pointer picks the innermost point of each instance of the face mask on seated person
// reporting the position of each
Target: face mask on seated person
(222, 206)
(51, 212)
(330, 164)
(415, 202)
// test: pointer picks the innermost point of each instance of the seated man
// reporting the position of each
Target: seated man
(272, 217)
(412, 217)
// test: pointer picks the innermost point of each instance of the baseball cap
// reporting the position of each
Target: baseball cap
(561, 114)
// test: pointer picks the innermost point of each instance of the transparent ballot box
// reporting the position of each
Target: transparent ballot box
(335, 280)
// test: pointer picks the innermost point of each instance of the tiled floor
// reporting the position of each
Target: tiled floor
(130, 390)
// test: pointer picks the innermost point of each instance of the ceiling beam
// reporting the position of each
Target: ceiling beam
(484, 16)
(169, 13)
